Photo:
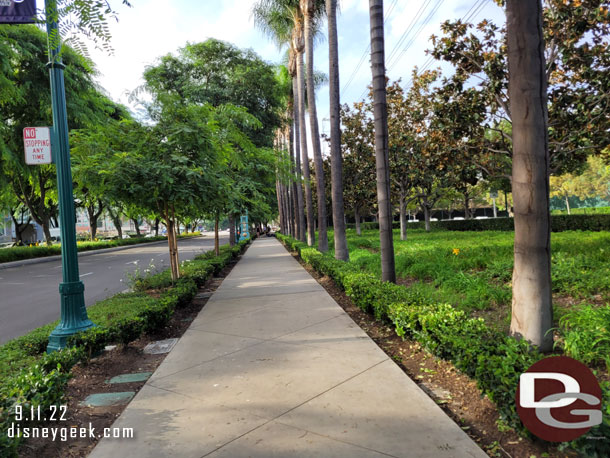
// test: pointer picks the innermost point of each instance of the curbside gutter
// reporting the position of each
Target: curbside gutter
(23, 262)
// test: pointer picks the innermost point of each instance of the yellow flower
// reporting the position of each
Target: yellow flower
(456, 251)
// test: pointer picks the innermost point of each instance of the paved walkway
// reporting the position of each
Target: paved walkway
(273, 367)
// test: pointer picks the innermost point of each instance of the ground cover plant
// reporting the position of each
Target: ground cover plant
(30, 377)
(443, 273)
(39, 251)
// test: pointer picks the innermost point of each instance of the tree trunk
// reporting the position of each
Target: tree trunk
(532, 312)
(231, 229)
(311, 236)
(19, 227)
(506, 202)
(314, 129)
(280, 205)
(299, 182)
(116, 220)
(216, 238)
(466, 206)
(92, 226)
(156, 227)
(567, 205)
(94, 215)
(336, 161)
(175, 242)
(357, 220)
(380, 110)
(170, 224)
(292, 198)
(286, 200)
(136, 224)
(426, 216)
(402, 204)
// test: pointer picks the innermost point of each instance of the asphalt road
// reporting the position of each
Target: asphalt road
(29, 295)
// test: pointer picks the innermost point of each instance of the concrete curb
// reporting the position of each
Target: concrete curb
(23, 262)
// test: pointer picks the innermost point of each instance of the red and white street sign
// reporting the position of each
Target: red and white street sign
(37, 142)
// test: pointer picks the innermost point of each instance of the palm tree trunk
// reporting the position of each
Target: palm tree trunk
(532, 312)
(216, 238)
(380, 110)
(294, 204)
(336, 162)
(314, 129)
(311, 236)
(286, 200)
(280, 205)
(297, 143)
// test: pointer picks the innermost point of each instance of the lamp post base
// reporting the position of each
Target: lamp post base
(73, 315)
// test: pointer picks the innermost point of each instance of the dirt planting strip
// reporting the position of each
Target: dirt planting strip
(92, 378)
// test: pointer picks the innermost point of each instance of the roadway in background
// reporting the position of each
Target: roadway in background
(29, 294)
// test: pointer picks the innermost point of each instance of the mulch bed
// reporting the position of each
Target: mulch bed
(91, 378)
(454, 392)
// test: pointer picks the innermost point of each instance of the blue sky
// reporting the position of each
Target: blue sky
(152, 28)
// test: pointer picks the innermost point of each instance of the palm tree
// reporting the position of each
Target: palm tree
(336, 162)
(312, 11)
(532, 312)
(297, 146)
(278, 19)
(380, 111)
(298, 42)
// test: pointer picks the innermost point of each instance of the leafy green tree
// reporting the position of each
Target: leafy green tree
(35, 186)
(219, 73)
(168, 169)
(358, 159)
(593, 181)
(577, 44)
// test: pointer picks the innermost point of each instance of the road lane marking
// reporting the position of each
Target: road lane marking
(84, 275)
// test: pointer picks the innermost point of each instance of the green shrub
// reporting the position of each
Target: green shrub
(559, 223)
(183, 292)
(586, 334)
(493, 359)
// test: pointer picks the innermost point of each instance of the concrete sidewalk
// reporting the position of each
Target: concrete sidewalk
(273, 367)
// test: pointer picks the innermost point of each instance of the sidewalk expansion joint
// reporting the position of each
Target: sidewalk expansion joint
(317, 290)
(296, 407)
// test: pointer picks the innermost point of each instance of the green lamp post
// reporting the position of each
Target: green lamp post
(73, 311)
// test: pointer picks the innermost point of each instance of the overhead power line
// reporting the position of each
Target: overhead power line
(366, 51)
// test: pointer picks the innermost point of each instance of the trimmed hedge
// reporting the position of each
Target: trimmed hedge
(492, 358)
(32, 378)
(42, 251)
(559, 223)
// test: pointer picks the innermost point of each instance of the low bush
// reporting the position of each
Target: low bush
(585, 334)
(492, 358)
(28, 252)
(559, 223)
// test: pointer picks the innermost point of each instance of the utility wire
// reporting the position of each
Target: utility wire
(366, 51)
(474, 10)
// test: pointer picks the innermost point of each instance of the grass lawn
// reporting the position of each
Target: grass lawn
(472, 271)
